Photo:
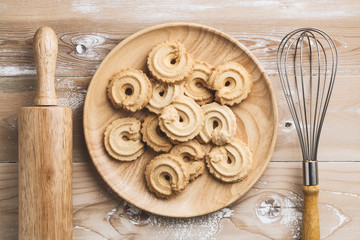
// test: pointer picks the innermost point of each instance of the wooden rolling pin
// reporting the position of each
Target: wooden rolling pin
(45, 153)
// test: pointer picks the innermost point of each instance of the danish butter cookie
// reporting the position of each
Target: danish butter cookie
(219, 124)
(166, 175)
(231, 162)
(130, 89)
(169, 62)
(163, 95)
(153, 135)
(190, 150)
(196, 169)
(182, 120)
(231, 82)
(122, 139)
(196, 83)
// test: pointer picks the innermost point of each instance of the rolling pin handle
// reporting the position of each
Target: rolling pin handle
(45, 53)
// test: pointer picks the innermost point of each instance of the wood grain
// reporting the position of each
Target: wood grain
(19, 91)
(94, 28)
(88, 30)
(45, 54)
(45, 172)
(270, 210)
(45, 153)
(310, 226)
(256, 116)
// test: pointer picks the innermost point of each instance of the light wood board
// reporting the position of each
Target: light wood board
(257, 120)
(99, 26)
(88, 30)
(19, 91)
(270, 210)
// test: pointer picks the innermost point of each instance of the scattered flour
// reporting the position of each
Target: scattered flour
(203, 227)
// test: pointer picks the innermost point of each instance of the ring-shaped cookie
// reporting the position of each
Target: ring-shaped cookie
(163, 95)
(231, 162)
(169, 62)
(122, 139)
(182, 120)
(130, 89)
(190, 150)
(219, 124)
(231, 82)
(166, 175)
(153, 135)
(196, 83)
(195, 168)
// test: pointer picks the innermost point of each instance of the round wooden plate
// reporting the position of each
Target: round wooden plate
(257, 120)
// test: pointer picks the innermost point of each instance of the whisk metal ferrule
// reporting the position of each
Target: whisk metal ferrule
(310, 173)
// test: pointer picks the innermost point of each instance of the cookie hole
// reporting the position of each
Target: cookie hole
(227, 83)
(125, 138)
(181, 119)
(229, 160)
(186, 159)
(128, 91)
(159, 132)
(167, 177)
(199, 85)
(161, 93)
(215, 124)
(173, 61)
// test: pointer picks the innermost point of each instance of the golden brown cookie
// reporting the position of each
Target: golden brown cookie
(166, 175)
(163, 95)
(169, 62)
(195, 168)
(219, 124)
(196, 83)
(130, 89)
(231, 82)
(231, 162)
(153, 135)
(122, 139)
(190, 150)
(182, 120)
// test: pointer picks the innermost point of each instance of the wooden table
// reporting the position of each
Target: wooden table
(89, 29)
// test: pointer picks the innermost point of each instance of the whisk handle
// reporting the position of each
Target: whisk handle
(311, 228)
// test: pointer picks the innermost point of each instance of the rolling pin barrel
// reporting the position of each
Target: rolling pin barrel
(45, 153)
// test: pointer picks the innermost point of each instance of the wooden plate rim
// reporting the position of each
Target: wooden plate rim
(218, 32)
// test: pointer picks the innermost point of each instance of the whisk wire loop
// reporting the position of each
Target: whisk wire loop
(307, 82)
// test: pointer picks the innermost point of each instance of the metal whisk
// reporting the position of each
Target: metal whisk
(307, 62)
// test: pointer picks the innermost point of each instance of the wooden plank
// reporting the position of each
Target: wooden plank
(270, 210)
(342, 123)
(88, 30)
(98, 9)
(340, 134)
(18, 92)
